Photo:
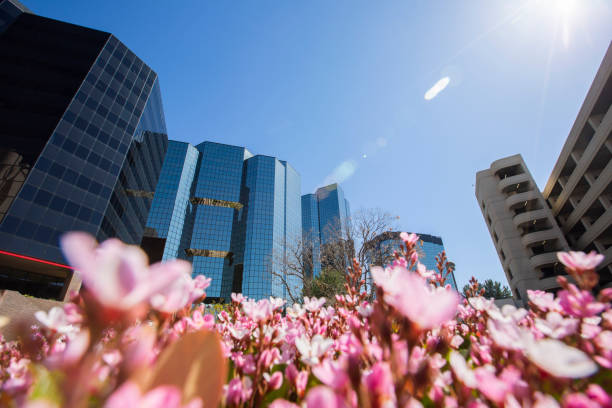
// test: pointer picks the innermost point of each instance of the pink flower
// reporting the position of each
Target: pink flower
(73, 313)
(199, 321)
(75, 348)
(380, 386)
(164, 396)
(409, 238)
(200, 283)
(579, 303)
(412, 297)
(311, 350)
(258, 311)
(17, 377)
(579, 261)
(323, 396)
(176, 295)
(281, 403)
(492, 387)
(137, 344)
(239, 391)
(238, 298)
(544, 401)
(543, 300)
(333, 374)
(462, 371)
(117, 275)
(275, 380)
(55, 320)
(556, 326)
(596, 393)
(577, 400)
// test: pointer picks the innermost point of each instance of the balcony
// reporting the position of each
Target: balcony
(547, 258)
(510, 183)
(520, 198)
(529, 217)
(501, 164)
(536, 237)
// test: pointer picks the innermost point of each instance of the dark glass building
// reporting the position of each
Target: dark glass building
(82, 141)
(228, 212)
(325, 215)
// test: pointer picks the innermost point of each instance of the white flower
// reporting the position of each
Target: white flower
(295, 311)
(365, 309)
(238, 332)
(481, 304)
(556, 326)
(313, 349)
(461, 369)
(313, 304)
(277, 303)
(55, 319)
(508, 313)
(559, 359)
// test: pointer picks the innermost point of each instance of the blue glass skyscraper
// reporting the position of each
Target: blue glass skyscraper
(428, 247)
(325, 216)
(230, 213)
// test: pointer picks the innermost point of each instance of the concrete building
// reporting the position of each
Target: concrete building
(524, 231)
(579, 189)
(573, 212)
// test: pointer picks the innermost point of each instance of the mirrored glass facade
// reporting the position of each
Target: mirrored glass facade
(332, 211)
(233, 214)
(325, 216)
(429, 246)
(82, 139)
(9, 11)
(310, 234)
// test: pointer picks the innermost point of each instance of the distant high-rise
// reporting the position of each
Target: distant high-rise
(333, 211)
(574, 212)
(325, 217)
(232, 214)
(82, 141)
(428, 246)
(311, 235)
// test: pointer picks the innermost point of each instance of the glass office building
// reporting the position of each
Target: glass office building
(82, 141)
(428, 247)
(311, 238)
(325, 215)
(232, 214)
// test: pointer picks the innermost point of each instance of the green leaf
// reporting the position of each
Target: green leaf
(46, 385)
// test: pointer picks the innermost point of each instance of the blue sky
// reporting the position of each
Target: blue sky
(323, 83)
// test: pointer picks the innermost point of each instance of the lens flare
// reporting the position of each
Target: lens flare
(437, 88)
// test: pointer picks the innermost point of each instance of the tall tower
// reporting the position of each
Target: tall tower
(230, 213)
(82, 141)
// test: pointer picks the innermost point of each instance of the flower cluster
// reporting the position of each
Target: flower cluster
(140, 336)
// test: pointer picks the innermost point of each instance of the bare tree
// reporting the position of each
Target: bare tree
(358, 238)
(293, 267)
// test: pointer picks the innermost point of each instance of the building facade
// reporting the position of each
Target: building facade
(229, 212)
(573, 212)
(82, 141)
(325, 217)
(522, 227)
(428, 247)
